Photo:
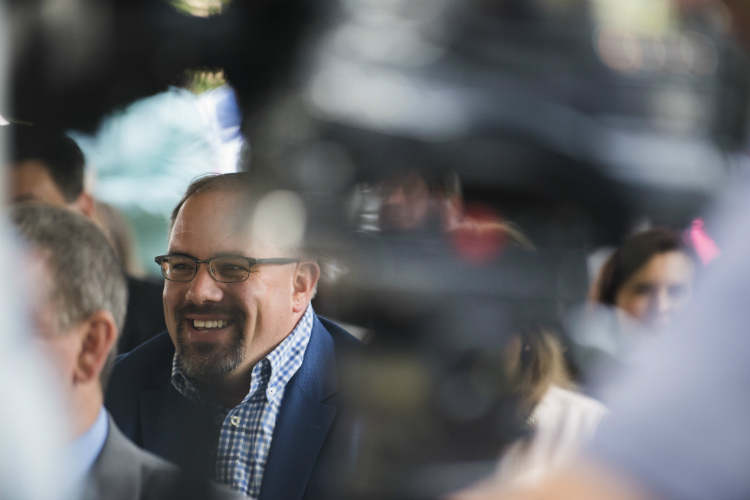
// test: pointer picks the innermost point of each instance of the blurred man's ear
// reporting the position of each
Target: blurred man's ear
(85, 205)
(98, 336)
(308, 273)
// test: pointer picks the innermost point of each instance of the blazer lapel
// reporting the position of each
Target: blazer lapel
(160, 413)
(303, 421)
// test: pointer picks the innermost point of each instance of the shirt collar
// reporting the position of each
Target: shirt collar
(84, 450)
(284, 360)
(288, 355)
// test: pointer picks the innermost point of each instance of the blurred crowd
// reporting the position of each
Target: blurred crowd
(389, 321)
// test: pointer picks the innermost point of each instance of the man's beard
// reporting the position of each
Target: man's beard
(206, 360)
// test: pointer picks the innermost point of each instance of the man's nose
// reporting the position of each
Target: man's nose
(203, 288)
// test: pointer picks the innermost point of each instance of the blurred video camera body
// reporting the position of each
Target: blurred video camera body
(570, 119)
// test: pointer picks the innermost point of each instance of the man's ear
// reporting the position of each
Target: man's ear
(305, 281)
(98, 337)
(85, 204)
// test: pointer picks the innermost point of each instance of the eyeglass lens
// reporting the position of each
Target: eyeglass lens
(225, 269)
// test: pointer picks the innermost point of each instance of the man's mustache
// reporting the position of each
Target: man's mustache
(209, 309)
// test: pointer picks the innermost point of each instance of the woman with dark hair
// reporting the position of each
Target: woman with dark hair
(649, 277)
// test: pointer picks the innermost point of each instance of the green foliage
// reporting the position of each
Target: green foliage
(198, 81)
(201, 8)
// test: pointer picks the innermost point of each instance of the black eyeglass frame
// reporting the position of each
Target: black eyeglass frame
(251, 262)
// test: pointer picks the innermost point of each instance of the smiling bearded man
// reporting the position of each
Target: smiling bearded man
(205, 360)
(249, 347)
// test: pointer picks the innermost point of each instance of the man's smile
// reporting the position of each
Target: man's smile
(209, 324)
(208, 327)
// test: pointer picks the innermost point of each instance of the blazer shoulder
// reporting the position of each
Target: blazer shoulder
(341, 337)
(122, 471)
(127, 450)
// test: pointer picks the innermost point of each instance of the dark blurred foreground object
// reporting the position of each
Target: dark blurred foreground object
(565, 117)
(74, 62)
(434, 393)
(572, 120)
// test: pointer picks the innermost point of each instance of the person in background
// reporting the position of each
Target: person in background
(83, 298)
(48, 167)
(418, 200)
(649, 278)
(560, 422)
(120, 235)
(639, 290)
(427, 201)
(145, 316)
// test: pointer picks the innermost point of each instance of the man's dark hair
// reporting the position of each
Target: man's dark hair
(234, 182)
(633, 254)
(87, 276)
(59, 153)
(245, 183)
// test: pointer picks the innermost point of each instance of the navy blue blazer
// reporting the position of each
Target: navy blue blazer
(310, 435)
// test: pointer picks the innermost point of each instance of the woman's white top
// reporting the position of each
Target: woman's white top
(562, 423)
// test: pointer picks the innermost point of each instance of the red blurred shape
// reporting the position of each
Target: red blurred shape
(480, 236)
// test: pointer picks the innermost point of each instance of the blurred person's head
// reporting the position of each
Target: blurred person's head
(650, 276)
(223, 320)
(83, 301)
(534, 362)
(120, 235)
(48, 167)
(415, 199)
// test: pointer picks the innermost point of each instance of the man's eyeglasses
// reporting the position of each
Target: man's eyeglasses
(224, 269)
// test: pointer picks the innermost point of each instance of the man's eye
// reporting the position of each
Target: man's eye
(231, 267)
(180, 267)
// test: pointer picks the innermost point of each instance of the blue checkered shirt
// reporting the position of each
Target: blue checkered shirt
(246, 430)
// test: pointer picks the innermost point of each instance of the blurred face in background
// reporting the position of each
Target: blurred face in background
(406, 202)
(31, 181)
(658, 290)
